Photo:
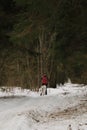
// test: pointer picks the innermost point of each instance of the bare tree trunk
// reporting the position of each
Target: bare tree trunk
(41, 62)
(38, 60)
(40, 50)
(28, 69)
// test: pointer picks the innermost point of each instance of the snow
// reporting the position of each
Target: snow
(63, 107)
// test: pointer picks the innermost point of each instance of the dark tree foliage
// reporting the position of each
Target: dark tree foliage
(43, 36)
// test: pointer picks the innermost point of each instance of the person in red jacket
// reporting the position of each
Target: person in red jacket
(44, 81)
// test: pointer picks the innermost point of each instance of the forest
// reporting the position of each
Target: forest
(38, 37)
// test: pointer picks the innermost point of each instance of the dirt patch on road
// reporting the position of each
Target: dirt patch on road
(70, 111)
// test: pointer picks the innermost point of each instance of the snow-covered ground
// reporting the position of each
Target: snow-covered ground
(62, 108)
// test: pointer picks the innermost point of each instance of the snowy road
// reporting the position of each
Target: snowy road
(53, 112)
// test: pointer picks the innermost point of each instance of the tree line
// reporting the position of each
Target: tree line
(39, 37)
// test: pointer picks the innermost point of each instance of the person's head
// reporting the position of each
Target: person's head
(44, 75)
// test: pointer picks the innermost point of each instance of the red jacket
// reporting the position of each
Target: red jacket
(44, 80)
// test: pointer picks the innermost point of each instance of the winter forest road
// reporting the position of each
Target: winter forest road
(42, 113)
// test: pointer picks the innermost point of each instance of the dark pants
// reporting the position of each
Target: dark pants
(46, 91)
